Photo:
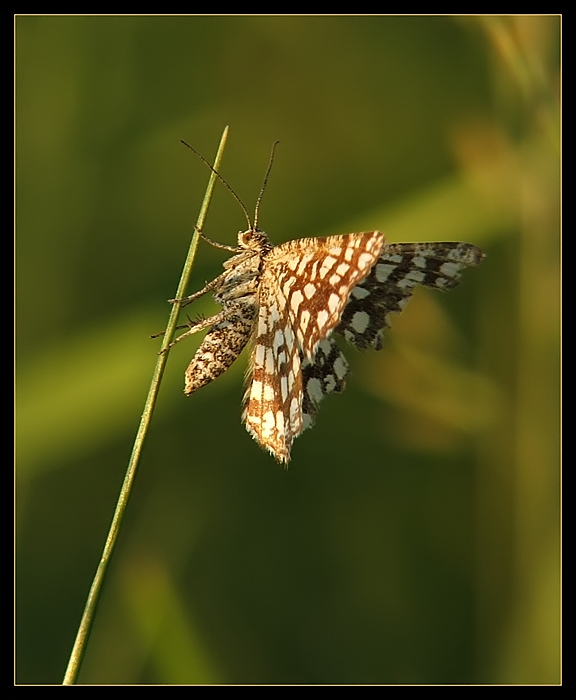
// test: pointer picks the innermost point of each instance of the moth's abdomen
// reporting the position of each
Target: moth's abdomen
(221, 346)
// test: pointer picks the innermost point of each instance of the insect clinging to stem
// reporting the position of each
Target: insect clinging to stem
(290, 301)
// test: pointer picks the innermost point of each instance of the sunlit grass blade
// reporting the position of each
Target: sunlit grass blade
(88, 615)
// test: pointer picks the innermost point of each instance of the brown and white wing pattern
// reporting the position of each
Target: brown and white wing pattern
(304, 287)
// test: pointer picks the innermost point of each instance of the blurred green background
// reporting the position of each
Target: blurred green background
(415, 537)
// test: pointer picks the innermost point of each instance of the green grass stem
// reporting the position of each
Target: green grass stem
(83, 633)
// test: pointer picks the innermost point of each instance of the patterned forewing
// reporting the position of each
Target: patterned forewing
(272, 404)
(304, 287)
(316, 276)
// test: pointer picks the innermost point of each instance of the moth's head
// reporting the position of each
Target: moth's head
(253, 239)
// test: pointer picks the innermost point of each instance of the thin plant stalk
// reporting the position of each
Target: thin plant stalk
(88, 615)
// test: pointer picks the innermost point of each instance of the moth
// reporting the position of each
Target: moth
(289, 303)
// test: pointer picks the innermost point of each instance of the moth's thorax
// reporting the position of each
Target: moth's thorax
(241, 278)
(243, 270)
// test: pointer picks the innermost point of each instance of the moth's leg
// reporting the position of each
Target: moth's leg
(159, 335)
(208, 288)
(197, 326)
(232, 248)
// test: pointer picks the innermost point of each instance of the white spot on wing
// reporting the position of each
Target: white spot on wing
(365, 260)
(383, 271)
(360, 293)
(259, 354)
(295, 363)
(309, 290)
(256, 390)
(333, 302)
(278, 339)
(340, 367)
(296, 300)
(268, 393)
(360, 321)
(287, 285)
(412, 278)
(450, 269)
(314, 389)
(327, 265)
(329, 384)
(322, 318)
(269, 361)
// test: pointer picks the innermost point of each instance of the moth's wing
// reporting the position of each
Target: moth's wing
(316, 276)
(304, 287)
(272, 408)
(391, 282)
(324, 374)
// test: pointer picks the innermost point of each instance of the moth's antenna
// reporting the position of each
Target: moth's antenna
(236, 197)
(264, 184)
